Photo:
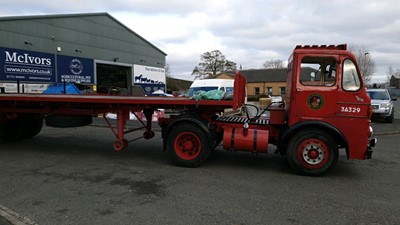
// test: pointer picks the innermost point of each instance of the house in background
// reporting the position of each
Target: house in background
(223, 75)
(260, 81)
(395, 81)
(265, 81)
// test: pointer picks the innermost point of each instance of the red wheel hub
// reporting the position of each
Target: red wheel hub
(312, 153)
(187, 145)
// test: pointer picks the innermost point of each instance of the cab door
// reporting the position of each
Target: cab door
(317, 86)
(352, 98)
(352, 108)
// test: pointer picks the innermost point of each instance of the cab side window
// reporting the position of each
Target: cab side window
(351, 78)
(318, 71)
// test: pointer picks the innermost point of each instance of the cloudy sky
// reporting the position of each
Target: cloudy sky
(248, 32)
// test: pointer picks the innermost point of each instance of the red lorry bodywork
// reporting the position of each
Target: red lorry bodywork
(318, 116)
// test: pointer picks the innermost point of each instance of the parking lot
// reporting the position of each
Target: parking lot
(72, 176)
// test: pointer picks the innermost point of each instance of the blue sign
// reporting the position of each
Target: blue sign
(28, 66)
(75, 70)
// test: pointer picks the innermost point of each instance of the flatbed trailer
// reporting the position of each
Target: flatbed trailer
(326, 108)
(14, 105)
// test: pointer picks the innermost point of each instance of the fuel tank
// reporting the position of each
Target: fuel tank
(242, 139)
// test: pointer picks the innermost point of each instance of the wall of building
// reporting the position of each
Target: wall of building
(96, 36)
(80, 41)
(276, 88)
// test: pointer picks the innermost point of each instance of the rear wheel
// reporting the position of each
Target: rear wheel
(33, 124)
(312, 152)
(15, 129)
(187, 145)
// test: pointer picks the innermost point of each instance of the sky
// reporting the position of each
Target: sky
(247, 32)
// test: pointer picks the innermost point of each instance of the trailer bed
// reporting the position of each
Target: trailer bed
(68, 104)
(94, 104)
(21, 115)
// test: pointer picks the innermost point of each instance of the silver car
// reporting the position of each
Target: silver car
(382, 104)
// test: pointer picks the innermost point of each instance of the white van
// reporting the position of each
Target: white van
(226, 85)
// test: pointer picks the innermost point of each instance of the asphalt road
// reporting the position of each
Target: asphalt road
(72, 176)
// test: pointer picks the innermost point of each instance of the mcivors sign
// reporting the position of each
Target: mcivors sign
(23, 65)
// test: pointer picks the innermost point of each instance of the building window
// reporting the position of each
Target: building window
(256, 91)
(269, 90)
(282, 90)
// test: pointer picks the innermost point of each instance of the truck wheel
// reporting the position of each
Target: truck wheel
(312, 152)
(33, 124)
(187, 146)
(15, 129)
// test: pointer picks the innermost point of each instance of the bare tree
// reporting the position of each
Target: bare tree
(365, 62)
(212, 63)
(274, 64)
(197, 73)
(230, 66)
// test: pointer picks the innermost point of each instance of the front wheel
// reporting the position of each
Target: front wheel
(187, 145)
(312, 152)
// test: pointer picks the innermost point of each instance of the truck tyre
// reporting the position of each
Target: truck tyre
(34, 125)
(15, 129)
(187, 145)
(312, 152)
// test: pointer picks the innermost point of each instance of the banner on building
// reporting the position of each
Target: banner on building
(75, 70)
(149, 78)
(27, 66)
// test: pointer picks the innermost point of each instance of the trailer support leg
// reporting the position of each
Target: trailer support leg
(121, 143)
(148, 113)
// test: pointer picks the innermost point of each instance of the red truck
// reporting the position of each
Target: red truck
(325, 108)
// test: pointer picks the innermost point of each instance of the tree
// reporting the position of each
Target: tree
(212, 63)
(230, 66)
(274, 64)
(365, 62)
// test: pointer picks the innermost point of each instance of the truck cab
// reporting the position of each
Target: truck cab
(326, 102)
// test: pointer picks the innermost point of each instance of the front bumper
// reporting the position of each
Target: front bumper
(381, 112)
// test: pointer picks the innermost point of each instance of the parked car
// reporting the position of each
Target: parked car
(382, 104)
